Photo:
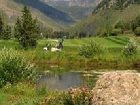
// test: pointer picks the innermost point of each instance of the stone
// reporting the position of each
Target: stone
(117, 88)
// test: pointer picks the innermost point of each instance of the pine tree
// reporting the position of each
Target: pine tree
(7, 32)
(26, 29)
(1, 26)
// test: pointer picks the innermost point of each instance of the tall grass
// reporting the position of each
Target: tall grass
(14, 67)
(69, 58)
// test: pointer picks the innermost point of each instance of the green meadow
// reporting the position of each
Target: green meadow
(66, 60)
(69, 57)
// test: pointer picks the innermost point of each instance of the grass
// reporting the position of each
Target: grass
(21, 94)
(118, 41)
(69, 57)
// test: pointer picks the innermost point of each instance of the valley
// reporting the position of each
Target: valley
(69, 52)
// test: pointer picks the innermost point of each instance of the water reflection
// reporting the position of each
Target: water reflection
(65, 80)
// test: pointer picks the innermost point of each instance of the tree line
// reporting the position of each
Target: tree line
(27, 30)
(5, 30)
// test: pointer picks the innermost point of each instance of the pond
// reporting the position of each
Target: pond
(66, 80)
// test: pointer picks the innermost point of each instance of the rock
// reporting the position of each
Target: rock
(117, 88)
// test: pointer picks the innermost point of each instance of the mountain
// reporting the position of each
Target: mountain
(78, 9)
(108, 12)
(47, 10)
(118, 4)
(80, 3)
(47, 15)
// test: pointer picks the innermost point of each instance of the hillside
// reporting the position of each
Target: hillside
(49, 11)
(96, 22)
(78, 9)
(47, 15)
(117, 4)
(71, 3)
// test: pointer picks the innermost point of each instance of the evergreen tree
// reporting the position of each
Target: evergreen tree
(26, 29)
(136, 23)
(17, 29)
(1, 26)
(6, 33)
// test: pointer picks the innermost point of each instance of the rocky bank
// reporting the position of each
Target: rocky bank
(117, 88)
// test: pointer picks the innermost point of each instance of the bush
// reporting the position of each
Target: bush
(90, 50)
(135, 23)
(137, 31)
(123, 25)
(56, 99)
(130, 49)
(14, 67)
(81, 96)
(119, 24)
(78, 96)
(116, 32)
(6, 33)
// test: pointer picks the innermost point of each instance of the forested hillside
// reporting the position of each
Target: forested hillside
(117, 4)
(46, 15)
(49, 11)
(107, 14)
(78, 9)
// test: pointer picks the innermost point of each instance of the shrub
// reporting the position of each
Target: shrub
(81, 96)
(6, 33)
(137, 31)
(14, 67)
(119, 24)
(78, 96)
(116, 32)
(102, 33)
(130, 49)
(135, 23)
(123, 25)
(56, 99)
(90, 50)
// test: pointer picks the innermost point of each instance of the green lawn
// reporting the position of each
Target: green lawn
(70, 58)
(108, 42)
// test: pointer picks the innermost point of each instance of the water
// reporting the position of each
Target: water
(66, 80)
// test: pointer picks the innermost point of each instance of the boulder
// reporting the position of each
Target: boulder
(117, 88)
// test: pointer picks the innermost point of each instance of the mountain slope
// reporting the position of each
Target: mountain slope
(118, 4)
(80, 3)
(10, 10)
(96, 23)
(78, 9)
(47, 10)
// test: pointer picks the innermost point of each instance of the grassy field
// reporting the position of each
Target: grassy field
(69, 58)
(22, 94)
(74, 44)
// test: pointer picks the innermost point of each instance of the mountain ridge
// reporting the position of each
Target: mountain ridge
(47, 10)
(78, 9)
(82, 3)
(10, 10)
(105, 14)
(117, 4)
